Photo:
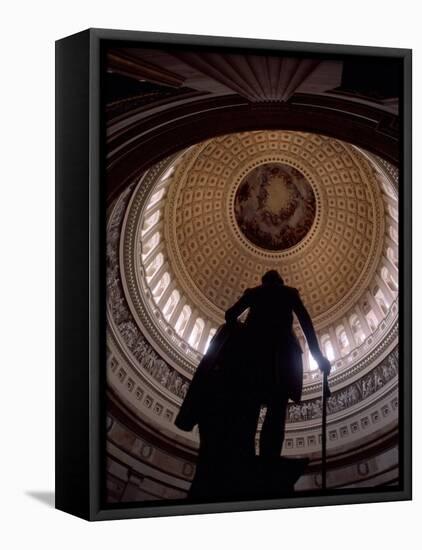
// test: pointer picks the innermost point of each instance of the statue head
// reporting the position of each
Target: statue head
(272, 277)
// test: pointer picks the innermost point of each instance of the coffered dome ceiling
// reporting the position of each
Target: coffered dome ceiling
(218, 245)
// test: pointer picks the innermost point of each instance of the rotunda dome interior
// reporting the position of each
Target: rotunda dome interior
(188, 232)
(182, 257)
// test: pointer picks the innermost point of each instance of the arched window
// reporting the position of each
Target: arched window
(387, 188)
(155, 198)
(343, 341)
(161, 286)
(171, 304)
(195, 335)
(370, 316)
(393, 212)
(356, 326)
(329, 351)
(366, 308)
(379, 296)
(151, 221)
(154, 266)
(327, 347)
(313, 365)
(392, 256)
(393, 234)
(372, 320)
(388, 279)
(149, 246)
(167, 173)
(183, 320)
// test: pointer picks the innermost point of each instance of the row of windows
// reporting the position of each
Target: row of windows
(336, 344)
(177, 319)
(345, 340)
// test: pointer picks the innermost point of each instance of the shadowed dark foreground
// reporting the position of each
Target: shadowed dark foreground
(254, 478)
(227, 417)
(246, 367)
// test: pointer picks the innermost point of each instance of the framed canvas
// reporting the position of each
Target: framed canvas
(233, 283)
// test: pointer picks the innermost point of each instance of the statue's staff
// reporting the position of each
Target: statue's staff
(326, 393)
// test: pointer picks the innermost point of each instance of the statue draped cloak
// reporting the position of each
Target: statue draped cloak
(258, 360)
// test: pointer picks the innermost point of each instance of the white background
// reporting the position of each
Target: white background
(28, 32)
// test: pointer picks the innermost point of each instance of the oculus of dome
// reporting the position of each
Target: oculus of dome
(274, 206)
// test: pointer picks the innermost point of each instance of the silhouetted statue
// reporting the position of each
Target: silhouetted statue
(272, 355)
(247, 365)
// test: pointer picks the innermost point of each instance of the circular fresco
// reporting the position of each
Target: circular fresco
(274, 206)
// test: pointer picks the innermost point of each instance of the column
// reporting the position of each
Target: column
(189, 325)
(389, 241)
(204, 337)
(349, 333)
(168, 173)
(391, 268)
(157, 206)
(393, 222)
(334, 342)
(177, 310)
(388, 294)
(157, 275)
(166, 294)
(151, 230)
(305, 358)
(389, 224)
(392, 202)
(363, 322)
(154, 252)
(375, 307)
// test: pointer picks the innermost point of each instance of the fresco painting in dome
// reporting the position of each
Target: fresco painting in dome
(275, 206)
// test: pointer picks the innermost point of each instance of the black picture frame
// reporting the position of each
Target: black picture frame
(80, 276)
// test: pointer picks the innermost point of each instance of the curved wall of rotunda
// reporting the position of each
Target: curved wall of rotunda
(188, 236)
